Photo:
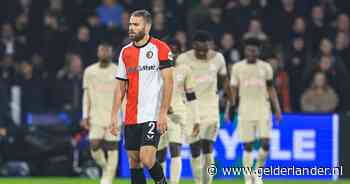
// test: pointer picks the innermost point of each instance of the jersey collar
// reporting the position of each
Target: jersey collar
(141, 46)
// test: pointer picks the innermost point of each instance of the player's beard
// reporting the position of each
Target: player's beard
(138, 36)
(252, 59)
(104, 61)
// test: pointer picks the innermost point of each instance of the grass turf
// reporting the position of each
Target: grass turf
(90, 181)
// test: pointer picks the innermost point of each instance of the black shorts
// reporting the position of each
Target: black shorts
(145, 134)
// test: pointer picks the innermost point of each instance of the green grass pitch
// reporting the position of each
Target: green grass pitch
(90, 181)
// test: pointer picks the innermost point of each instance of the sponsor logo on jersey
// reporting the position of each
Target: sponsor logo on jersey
(143, 68)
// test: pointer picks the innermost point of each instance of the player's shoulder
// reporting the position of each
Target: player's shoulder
(240, 63)
(113, 65)
(187, 54)
(91, 67)
(129, 45)
(185, 57)
(183, 67)
(159, 43)
(263, 63)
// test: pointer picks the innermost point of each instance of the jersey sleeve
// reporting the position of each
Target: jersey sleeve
(86, 80)
(165, 56)
(234, 75)
(269, 72)
(189, 81)
(222, 65)
(121, 71)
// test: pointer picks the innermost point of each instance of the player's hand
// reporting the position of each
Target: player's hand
(85, 123)
(162, 124)
(195, 130)
(278, 117)
(114, 127)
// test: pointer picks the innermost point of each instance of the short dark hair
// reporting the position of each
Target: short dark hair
(252, 42)
(146, 15)
(105, 44)
(202, 36)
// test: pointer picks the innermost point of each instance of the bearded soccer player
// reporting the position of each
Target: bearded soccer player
(145, 73)
(99, 83)
(205, 64)
(183, 96)
(252, 79)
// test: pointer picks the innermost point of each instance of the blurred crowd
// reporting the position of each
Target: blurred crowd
(46, 44)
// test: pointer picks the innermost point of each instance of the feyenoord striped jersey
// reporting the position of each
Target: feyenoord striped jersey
(140, 66)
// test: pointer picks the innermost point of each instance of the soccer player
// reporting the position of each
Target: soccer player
(99, 83)
(183, 96)
(206, 64)
(145, 73)
(252, 79)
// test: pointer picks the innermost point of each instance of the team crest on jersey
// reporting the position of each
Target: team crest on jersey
(149, 54)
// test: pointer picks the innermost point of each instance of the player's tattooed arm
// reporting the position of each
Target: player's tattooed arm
(274, 100)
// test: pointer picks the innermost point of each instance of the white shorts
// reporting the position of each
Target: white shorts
(103, 133)
(207, 131)
(249, 130)
(175, 133)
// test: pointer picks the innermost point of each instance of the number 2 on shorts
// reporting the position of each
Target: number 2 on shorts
(152, 126)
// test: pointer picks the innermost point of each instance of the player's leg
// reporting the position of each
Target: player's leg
(96, 137)
(196, 159)
(246, 133)
(209, 135)
(264, 129)
(176, 139)
(263, 152)
(132, 145)
(176, 163)
(111, 147)
(161, 157)
(136, 169)
(162, 150)
(148, 150)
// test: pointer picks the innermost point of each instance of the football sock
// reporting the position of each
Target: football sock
(137, 176)
(176, 166)
(208, 161)
(196, 169)
(111, 166)
(99, 156)
(163, 164)
(262, 156)
(157, 174)
(247, 163)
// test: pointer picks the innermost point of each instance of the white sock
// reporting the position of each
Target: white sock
(176, 166)
(247, 163)
(111, 166)
(163, 164)
(208, 161)
(262, 156)
(99, 157)
(196, 169)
